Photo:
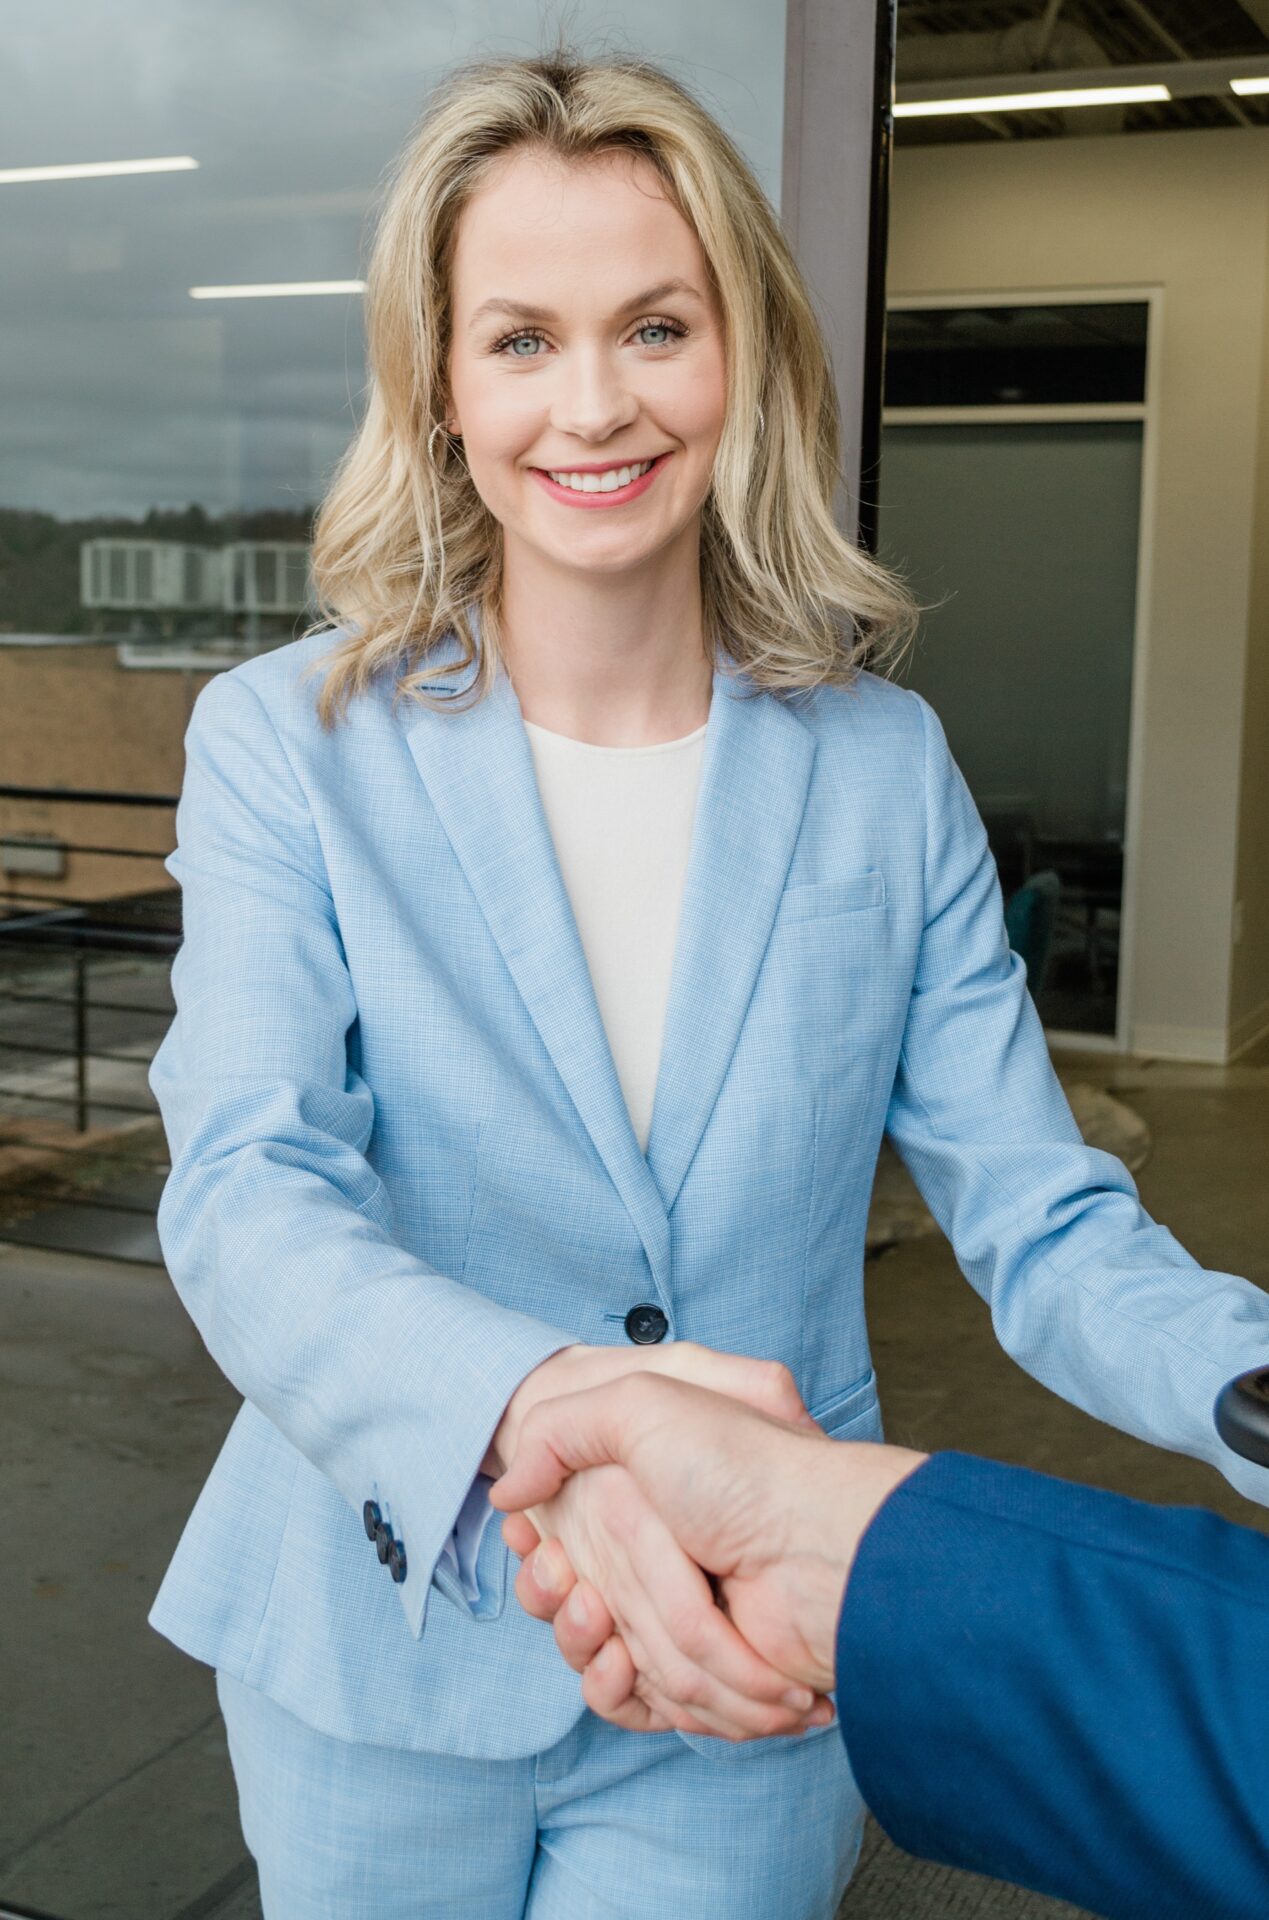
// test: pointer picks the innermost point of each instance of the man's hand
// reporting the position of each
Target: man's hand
(694, 1669)
(772, 1512)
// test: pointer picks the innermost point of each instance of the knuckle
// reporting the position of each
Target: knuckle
(679, 1359)
(685, 1684)
(690, 1630)
(782, 1386)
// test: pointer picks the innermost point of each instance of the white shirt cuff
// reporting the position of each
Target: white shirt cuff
(462, 1547)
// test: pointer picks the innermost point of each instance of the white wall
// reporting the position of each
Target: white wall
(1187, 213)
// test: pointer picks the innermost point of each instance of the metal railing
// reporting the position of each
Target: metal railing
(75, 954)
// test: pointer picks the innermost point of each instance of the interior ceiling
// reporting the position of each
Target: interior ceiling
(1083, 33)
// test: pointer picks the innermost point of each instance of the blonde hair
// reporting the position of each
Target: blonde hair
(404, 544)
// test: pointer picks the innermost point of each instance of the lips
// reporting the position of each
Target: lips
(570, 496)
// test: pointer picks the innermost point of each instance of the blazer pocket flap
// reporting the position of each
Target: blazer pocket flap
(825, 897)
(854, 1407)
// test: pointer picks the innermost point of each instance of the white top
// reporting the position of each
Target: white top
(621, 819)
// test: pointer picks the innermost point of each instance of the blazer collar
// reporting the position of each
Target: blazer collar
(477, 766)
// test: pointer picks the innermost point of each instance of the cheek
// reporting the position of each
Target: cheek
(700, 405)
(497, 415)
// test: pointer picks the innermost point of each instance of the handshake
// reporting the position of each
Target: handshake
(690, 1531)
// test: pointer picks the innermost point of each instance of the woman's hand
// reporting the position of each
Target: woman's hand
(695, 1671)
(763, 1384)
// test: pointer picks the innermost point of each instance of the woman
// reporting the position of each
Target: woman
(588, 800)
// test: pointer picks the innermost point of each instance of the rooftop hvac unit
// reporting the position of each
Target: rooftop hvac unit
(158, 576)
(266, 576)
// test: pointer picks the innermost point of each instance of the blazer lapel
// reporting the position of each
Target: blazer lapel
(754, 779)
(477, 766)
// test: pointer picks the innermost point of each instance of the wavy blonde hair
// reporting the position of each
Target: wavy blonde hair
(403, 543)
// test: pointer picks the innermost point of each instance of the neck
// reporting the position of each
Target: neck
(618, 660)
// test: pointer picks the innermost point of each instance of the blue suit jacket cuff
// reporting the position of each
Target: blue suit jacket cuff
(1048, 1683)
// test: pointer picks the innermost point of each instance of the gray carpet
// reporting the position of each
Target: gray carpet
(890, 1885)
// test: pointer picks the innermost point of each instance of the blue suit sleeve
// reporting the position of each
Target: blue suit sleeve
(388, 1376)
(1064, 1689)
(1087, 1292)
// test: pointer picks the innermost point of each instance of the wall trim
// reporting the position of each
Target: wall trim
(1246, 1032)
(1208, 1045)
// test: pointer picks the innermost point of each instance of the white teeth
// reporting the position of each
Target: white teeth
(600, 482)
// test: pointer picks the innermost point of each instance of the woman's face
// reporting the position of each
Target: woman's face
(572, 353)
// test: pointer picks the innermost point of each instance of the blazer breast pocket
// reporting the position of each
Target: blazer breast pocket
(852, 893)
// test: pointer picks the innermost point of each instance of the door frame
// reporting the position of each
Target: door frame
(1150, 296)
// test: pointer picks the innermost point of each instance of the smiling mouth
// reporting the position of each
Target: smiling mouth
(593, 492)
(606, 482)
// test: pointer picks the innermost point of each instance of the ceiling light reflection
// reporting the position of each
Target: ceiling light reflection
(96, 170)
(276, 289)
(1022, 102)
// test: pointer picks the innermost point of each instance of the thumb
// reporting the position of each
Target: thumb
(560, 1437)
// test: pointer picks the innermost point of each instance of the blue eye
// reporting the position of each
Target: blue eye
(672, 328)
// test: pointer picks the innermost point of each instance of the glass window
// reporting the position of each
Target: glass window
(161, 457)
(1015, 356)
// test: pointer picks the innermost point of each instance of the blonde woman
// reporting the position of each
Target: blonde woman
(561, 934)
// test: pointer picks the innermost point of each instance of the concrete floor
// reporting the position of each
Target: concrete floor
(118, 1803)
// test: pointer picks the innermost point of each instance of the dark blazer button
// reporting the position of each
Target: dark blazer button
(646, 1324)
(396, 1561)
(370, 1518)
(383, 1543)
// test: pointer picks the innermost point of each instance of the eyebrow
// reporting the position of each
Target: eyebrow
(522, 310)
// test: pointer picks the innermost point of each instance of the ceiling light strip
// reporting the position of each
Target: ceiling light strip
(1260, 85)
(1026, 102)
(277, 289)
(96, 170)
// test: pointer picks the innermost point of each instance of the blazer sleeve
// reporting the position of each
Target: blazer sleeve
(1086, 1291)
(1064, 1689)
(388, 1376)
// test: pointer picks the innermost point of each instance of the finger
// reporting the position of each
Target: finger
(610, 1676)
(611, 1686)
(545, 1580)
(582, 1626)
(520, 1534)
(560, 1437)
(685, 1649)
(631, 1712)
(768, 1386)
(613, 1689)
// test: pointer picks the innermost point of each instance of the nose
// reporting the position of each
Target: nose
(592, 400)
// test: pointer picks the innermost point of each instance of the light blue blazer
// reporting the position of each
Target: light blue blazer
(403, 1172)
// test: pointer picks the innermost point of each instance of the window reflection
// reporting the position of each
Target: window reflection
(161, 457)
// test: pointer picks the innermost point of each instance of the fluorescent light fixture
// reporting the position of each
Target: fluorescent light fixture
(1250, 86)
(276, 289)
(1021, 102)
(96, 170)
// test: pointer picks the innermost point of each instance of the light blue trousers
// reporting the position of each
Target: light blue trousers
(605, 1825)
